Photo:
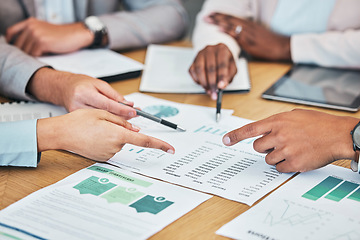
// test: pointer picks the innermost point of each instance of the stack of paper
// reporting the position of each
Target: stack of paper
(17, 111)
(201, 161)
(98, 63)
(98, 202)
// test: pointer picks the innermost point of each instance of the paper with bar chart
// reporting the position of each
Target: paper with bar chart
(98, 202)
(321, 204)
(201, 161)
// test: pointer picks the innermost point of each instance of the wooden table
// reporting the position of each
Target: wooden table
(203, 221)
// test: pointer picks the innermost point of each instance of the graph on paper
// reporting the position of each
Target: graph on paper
(335, 189)
(293, 214)
(320, 204)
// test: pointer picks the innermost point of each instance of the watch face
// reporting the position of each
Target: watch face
(94, 23)
(356, 135)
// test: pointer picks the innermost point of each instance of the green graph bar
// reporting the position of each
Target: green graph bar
(140, 151)
(341, 191)
(199, 129)
(214, 132)
(355, 195)
(209, 129)
(131, 150)
(322, 188)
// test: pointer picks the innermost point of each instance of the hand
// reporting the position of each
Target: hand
(300, 140)
(36, 37)
(254, 38)
(213, 68)
(95, 134)
(75, 91)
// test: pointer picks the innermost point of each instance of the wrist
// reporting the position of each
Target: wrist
(47, 85)
(48, 133)
(346, 147)
(98, 30)
(84, 35)
(286, 49)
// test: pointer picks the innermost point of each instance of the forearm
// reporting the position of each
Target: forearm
(48, 85)
(16, 68)
(145, 23)
(209, 34)
(330, 49)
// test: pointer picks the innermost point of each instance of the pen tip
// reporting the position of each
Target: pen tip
(217, 117)
(180, 129)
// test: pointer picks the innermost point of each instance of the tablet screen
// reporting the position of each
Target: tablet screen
(313, 85)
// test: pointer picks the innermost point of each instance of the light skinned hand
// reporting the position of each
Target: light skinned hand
(299, 140)
(76, 91)
(213, 68)
(37, 38)
(92, 133)
(254, 38)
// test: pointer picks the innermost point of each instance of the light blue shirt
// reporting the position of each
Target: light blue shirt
(18, 143)
(301, 16)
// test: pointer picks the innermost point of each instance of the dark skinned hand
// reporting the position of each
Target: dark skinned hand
(213, 68)
(253, 38)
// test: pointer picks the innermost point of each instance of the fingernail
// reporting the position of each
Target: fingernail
(132, 114)
(226, 140)
(221, 84)
(213, 95)
(170, 151)
(136, 128)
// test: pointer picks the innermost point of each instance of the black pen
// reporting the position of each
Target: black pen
(156, 119)
(218, 104)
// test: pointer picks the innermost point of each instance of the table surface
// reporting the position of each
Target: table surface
(203, 221)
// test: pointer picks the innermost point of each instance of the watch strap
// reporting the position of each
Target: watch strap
(100, 36)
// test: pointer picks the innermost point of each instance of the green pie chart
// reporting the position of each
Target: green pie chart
(161, 110)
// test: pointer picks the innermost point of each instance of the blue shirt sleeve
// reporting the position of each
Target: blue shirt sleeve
(18, 144)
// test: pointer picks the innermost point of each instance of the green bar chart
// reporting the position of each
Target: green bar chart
(211, 130)
(355, 195)
(334, 189)
(322, 188)
(342, 191)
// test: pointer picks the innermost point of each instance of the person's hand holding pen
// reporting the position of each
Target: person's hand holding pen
(154, 118)
(76, 91)
(213, 68)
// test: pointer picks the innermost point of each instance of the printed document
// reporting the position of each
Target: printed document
(321, 204)
(98, 202)
(201, 161)
(17, 111)
(167, 71)
(97, 63)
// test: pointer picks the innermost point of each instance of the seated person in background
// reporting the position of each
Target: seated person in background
(326, 33)
(93, 133)
(300, 140)
(63, 26)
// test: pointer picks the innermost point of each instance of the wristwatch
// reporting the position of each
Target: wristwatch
(355, 133)
(94, 24)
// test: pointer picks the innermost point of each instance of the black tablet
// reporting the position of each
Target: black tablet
(318, 86)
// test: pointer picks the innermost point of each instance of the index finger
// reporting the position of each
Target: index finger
(14, 30)
(248, 131)
(146, 141)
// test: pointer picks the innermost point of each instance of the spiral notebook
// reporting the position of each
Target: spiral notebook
(17, 111)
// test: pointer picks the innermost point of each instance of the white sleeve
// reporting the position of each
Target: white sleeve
(208, 34)
(330, 49)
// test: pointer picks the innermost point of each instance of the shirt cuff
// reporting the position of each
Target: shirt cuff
(19, 144)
